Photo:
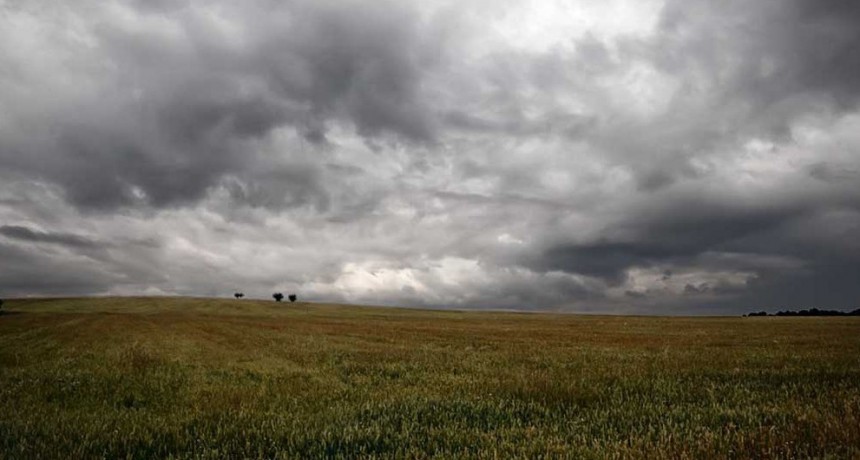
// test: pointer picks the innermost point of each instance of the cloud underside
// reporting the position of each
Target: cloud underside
(657, 157)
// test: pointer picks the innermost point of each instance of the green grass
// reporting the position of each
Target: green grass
(209, 378)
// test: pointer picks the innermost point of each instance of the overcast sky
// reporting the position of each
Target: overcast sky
(661, 157)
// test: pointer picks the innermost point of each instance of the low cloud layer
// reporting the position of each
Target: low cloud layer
(667, 157)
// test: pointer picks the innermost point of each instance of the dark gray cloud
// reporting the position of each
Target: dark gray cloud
(655, 156)
(158, 112)
(27, 234)
(25, 272)
(776, 56)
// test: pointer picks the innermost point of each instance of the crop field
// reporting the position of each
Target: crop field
(218, 378)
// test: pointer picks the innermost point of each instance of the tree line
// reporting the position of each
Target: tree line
(810, 312)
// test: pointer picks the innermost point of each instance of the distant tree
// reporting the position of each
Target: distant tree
(238, 295)
(278, 296)
(816, 312)
(292, 297)
(1, 305)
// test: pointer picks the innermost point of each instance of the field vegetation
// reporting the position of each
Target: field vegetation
(219, 378)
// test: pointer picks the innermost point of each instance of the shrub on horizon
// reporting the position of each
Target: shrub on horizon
(239, 295)
(292, 297)
(278, 296)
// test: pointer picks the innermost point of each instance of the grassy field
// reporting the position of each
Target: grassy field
(210, 378)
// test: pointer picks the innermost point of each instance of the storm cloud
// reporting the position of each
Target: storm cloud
(668, 157)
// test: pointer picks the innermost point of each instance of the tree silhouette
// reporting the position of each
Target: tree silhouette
(278, 296)
(239, 295)
(292, 297)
